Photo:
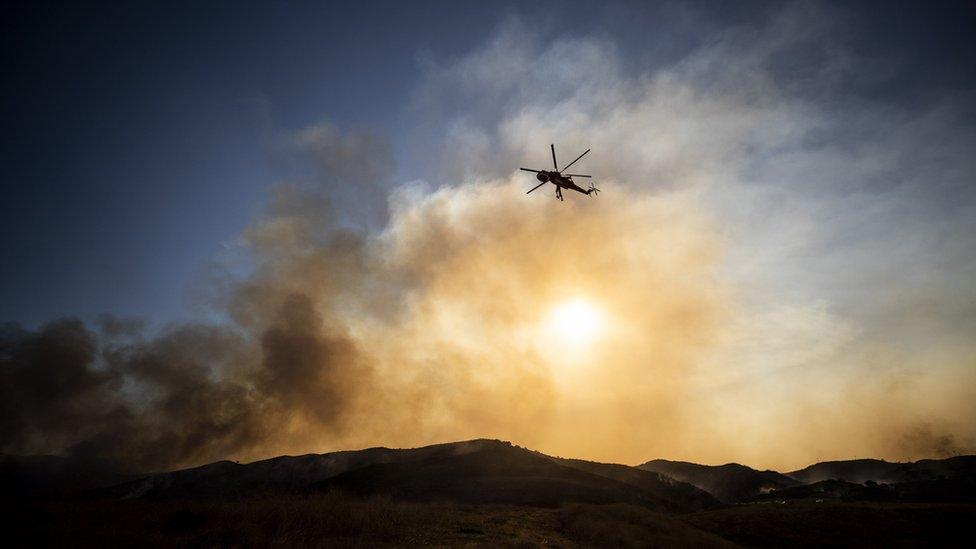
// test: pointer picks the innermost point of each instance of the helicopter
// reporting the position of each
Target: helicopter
(559, 179)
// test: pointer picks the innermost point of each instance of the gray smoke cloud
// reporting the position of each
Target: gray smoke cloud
(925, 441)
(192, 394)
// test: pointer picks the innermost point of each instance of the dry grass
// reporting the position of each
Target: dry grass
(317, 520)
(833, 524)
(334, 519)
(621, 525)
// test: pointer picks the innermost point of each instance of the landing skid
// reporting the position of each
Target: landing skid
(559, 192)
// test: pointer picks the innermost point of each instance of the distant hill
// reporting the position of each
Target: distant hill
(863, 470)
(927, 480)
(729, 483)
(492, 471)
(954, 468)
(283, 473)
(649, 481)
(477, 471)
(497, 472)
(854, 470)
(485, 493)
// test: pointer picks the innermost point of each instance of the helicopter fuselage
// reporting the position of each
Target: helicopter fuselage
(559, 180)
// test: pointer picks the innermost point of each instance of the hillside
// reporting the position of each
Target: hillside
(498, 472)
(279, 474)
(729, 483)
(476, 471)
(954, 468)
(863, 470)
(490, 471)
(482, 493)
(854, 470)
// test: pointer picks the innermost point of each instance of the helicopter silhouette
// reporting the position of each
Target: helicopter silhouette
(559, 179)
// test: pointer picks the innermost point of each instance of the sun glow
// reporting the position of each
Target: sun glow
(575, 324)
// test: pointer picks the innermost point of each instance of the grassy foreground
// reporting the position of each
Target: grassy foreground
(334, 519)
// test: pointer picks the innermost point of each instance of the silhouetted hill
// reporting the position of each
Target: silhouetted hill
(730, 482)
(477, 471)
(951, 480)
(482, 471)
(283, 473)
(954, 468)
(869, 480)
(863, 470)
(498, 472)
(854, 470)
(481, 493)
(648, 481)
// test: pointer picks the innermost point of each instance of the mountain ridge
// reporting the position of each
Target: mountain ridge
(729, 483)
(475, 464)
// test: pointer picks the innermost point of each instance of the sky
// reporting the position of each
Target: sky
(300, 227)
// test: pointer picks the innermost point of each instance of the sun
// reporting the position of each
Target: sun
(576, 316)
(575, 324)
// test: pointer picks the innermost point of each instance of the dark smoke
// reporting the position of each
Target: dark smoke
(50, 388)
(923, 442)
(188, 396)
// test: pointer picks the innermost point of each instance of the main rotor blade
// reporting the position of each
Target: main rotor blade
(576, 175)
(571, 163)
(536, 187)
(528, 170)
(554, 165)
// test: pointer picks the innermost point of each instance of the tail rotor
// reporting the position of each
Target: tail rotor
(592, 190)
